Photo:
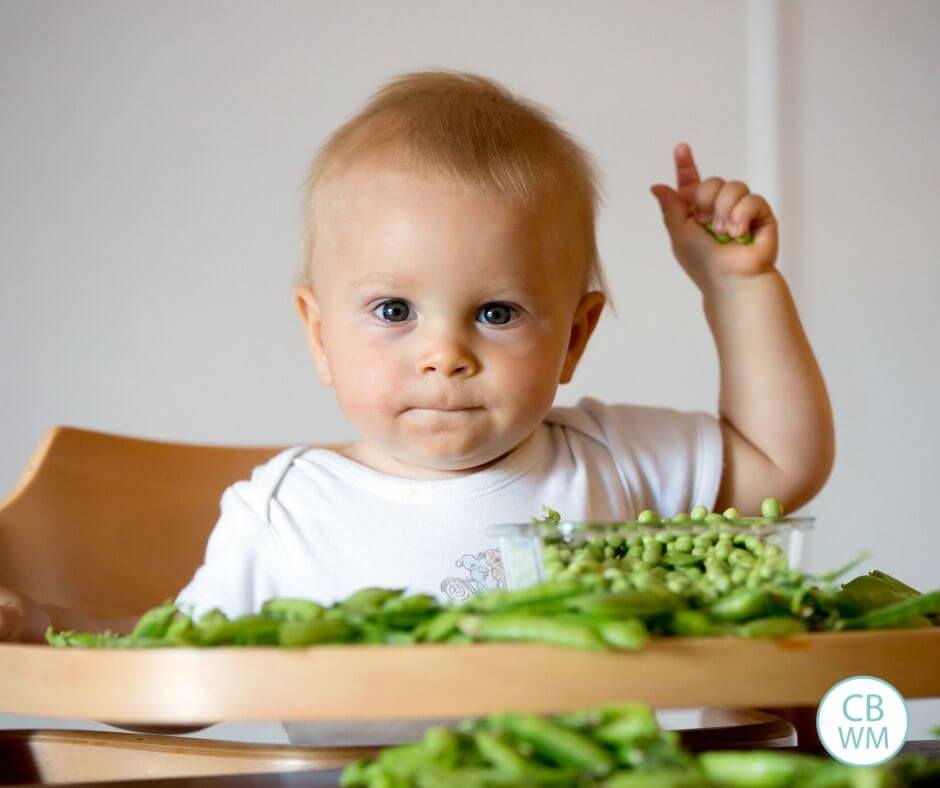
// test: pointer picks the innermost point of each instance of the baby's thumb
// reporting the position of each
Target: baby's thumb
(674, 208)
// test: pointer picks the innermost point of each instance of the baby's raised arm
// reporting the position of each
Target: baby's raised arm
(776, 419)
(24, 620)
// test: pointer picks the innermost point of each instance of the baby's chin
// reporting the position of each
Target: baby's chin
(443, 459)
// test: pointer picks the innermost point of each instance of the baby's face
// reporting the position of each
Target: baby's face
(443, 325)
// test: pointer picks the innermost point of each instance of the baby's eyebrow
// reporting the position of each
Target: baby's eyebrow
(380, 278)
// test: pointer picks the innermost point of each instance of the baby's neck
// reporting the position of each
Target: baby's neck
(366, 454)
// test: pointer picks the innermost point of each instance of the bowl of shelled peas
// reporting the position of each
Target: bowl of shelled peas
(699, 553)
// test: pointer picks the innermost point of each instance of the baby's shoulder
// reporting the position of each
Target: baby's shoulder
(261, 487)
(596, 418)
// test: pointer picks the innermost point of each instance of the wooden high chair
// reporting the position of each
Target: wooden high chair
(113, 525)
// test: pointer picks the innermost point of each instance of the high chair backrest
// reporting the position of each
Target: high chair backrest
(113, 525)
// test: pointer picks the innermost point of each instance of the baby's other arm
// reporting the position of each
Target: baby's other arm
(776, 420)
(24, 620)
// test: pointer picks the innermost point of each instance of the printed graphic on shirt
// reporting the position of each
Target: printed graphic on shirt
(483, 571)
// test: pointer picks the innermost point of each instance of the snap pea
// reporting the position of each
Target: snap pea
(626, 603)
(771, 627)
(865, 593)
(625, 634)
(442, 625)
(898, 614)
(531, 629)
(253, 630)
(498, 600)
(756, 768)
(695, 623)
(368, 600)
(894, 583)
(182, 631)
(667, 778)
(155, 622)
(628, 728)
(509, 763)
(741, 604)
(557, 743)
(307, 633)
(292, 609)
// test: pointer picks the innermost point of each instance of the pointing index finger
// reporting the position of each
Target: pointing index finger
(686, 172)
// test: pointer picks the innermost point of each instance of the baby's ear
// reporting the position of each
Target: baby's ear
(309, 309)
(586, 315)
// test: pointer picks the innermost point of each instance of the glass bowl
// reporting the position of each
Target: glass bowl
(522, 544)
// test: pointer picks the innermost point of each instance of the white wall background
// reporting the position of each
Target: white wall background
(152, 154)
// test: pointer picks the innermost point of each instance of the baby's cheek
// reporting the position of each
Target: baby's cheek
(368, 386)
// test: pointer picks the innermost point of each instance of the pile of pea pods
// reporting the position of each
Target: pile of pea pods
(619, 746)
(603, 592)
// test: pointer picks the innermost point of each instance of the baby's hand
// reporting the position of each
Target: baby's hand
(21, 618)
(731, 209)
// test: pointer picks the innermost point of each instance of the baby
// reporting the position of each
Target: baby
(450, 282)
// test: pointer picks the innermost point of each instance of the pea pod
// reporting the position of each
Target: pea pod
(560, 745)
(531, 629)
(626, 603)
(182, 632)
(255, 630)
(695, 622)
(865, 593)
(155, 622)
(292, 609)
(666, 778)
(741, 604)
(771, 627)
(498, 600)
(896, 584)
(442, 626)
(406, 612)
(367, 601)
(308, 633)
(629, 633)
(754, 768)
(638, 725)
(509, 763)
(898, 614)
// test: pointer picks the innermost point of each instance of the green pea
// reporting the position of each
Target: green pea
(731, 513)
(698, 514)
(771, 508)
(648, 516)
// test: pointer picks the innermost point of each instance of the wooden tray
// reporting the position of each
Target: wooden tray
(202, 686)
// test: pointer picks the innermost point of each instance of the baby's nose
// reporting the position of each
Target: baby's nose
(450, 358)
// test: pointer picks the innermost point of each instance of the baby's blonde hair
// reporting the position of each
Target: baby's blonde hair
(475, 133)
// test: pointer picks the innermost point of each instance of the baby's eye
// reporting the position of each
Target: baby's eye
(394, 311)
(498, 314)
